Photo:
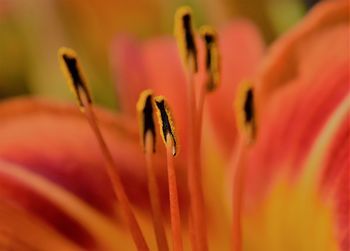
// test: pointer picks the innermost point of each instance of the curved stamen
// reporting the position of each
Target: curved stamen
(187, 48)
(148, 138)
(84, 99)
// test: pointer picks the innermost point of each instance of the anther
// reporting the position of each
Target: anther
(245, 111)
(73, 73)
(185, 37)
(212, 58)
(146, 117)
(166, 122)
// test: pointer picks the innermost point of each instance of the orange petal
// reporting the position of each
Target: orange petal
(322, 38)
(276, 168)
(301, 88)
(129, 67)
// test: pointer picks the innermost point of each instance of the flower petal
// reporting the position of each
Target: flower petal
(299, 97)
(296, 56)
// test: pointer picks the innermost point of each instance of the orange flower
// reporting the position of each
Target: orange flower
(58, 185)
(51, 170)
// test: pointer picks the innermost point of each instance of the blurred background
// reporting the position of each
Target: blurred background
(31, 31)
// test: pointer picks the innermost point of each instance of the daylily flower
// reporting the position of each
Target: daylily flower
(56, 195)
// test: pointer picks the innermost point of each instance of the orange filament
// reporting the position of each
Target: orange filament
(237, 197)
(117, 185)
(173, 197)
(154, 196)
(194, 171)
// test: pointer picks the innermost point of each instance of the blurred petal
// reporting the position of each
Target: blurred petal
(99, 227)
(296, 170)
(54, 140)
(295, 58)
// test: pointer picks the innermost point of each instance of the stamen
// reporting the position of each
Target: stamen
(187, 47)
(83, 97)
(185, 37)
(212, 61)
(245, 111)
(246, 124)
(167, 131)
(148, 136)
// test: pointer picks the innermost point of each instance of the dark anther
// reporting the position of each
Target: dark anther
(148, 122)
(77, 80)
(190, 43)
(249, 106)
(166, 127)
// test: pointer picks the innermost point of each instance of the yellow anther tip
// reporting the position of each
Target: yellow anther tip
(66, 51)
(207, 29)
(142, 99)
(183, 10)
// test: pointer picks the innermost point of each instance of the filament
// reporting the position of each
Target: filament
(173, 196)
(118, 188)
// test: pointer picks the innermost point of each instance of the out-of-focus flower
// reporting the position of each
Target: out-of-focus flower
(51, 167)
(296, 174)
(289, 172)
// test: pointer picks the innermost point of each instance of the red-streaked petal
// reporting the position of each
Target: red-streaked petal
(300, 90)
(292, 121)
(297, 55)
(54, 140)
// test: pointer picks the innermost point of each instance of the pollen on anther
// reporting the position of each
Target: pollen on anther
(166, 122)
(184, 34)
(73, 73)
(212, 57)
(145, 112)
(245, 110)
